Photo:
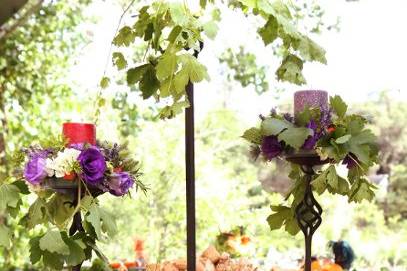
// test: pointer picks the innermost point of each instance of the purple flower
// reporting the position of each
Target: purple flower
(77, 146)
(325, 120)
(120, 183)
(288, 117)
(350, 161)
(271, 147)
(310, 142)
(34, 171)
(93, 165)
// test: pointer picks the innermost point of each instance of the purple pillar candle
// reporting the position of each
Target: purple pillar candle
(310, 98)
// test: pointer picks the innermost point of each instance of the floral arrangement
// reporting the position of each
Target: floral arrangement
(100, 167)
(336, 137)
(235, 242)
(67, 176)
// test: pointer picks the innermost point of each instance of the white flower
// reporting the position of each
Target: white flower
(63, 163)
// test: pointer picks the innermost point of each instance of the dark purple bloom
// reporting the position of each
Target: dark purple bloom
(93, 165)
(310, 142)
(288, 117)
(34, 171)
(77, 146)
(350, 161)
(120, 183)
(271, 147)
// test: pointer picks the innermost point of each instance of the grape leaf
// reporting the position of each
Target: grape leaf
(343, 139)
(36, 213)
(76, 253)
(291, 225)
(338, 105)
(273, 126)
(53, 260)
(295, 137)
(269, 31)
(319, 183)
(360, 190)
(311, 51)
(125, 37)
(290, 70)
(52, 242)
(253, 135)
(196, 71)
(5, 236)
(149, 83)
(134, 74)
(119, 61)
(332, 177)
(211, 29)
(35, 250)
(93, 218)
(178, 13)
(104, 82)
(108, 223)
(166, 66)
(22, 185)
(9, 196)
(277, 219)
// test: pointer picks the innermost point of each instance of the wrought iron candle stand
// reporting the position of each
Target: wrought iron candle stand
(308, 212)
(71, 189)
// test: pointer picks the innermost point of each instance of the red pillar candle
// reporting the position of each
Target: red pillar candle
(79, 132)
(311, 98)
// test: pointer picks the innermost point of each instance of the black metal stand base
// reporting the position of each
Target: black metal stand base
(308, 212)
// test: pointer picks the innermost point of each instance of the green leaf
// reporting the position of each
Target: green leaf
(275, 221)
(108, 223)
(343, 186)
(319, 183)
(338, 105)
(76, 253)
(343, 139)
(36, 213)
(119, 61)
(269, 31)
(178, 13)
(59, 211)
(211, 29)
(302, 118)
(361, 189)
(174, 33)
(332, 177)
(125, 37)
(181, 80)
(5, 235)
(273, 126)
(149, 83)
(167, 65)
(53, 260)
(104, 82)
(196, 71)
(311, 51)
(9, 196)
(35, 250)
(52, 242)
(295, 137)
(253, 135)
(134, 74)
(362, 152)
(290, 70)
(93, 218)
(291, 225)
(22, 185)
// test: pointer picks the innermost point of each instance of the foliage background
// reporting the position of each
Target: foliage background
(37, 85)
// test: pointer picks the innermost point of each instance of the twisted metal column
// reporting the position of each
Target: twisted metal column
(308, 215)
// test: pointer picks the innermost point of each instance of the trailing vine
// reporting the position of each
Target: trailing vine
(172, 31)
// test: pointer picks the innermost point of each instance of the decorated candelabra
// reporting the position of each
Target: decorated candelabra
(67, 176)
(318, 134)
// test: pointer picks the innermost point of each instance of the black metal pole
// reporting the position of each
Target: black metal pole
(190, 178)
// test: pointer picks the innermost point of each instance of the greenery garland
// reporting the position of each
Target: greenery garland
(335, 136)
(171, 31)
